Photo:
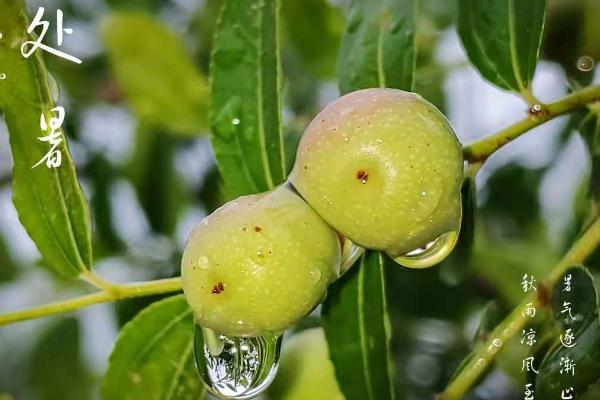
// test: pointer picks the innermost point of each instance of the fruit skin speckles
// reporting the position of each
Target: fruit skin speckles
(263, 275)
(407, 158)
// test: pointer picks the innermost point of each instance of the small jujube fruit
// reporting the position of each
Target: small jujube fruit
(258, 264)
(384, 168)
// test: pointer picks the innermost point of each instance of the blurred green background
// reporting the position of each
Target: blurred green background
(143, 156)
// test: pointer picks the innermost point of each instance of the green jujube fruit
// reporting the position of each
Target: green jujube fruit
(384, 168)
(258, 264)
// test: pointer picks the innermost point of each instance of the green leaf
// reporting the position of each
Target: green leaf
(158, 188)
(378, 48)
(163, 86)
(583, 298)
(586, 328)
(246, 118)
(58, 371)
(153, 358)
(589, 127)
(49, 201)
(358, 331)
(314, 28)
(102, 174)
(586, 357)
(8, 266)
(502, 39)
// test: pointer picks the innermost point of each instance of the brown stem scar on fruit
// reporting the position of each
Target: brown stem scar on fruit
(218, 288)
(257, 228)
(362, 175)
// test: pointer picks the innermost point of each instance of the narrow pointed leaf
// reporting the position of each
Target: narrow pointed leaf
(162, 85)
(49, 201)
(378, 48)
(245, 117)
(586, 357)
(582, 298)
(58, 370)
(589, 127)
(585, 353)
(153, 358)
(502, 39)
(358, 331)
(314, 28)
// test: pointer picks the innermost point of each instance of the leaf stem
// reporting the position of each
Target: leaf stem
(113, 293)
(480, 150)
(484, 353)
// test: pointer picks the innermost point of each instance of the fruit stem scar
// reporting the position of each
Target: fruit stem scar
(362, 176)
(218, 288)
(257, 228)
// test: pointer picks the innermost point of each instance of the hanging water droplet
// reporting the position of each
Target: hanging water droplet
(430, 254)
(235, 121)
(350, 253)
(2, 76)
(315, 275)
(236, 367)
(585, 63)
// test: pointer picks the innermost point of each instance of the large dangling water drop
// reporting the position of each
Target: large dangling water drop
(431, 254)
(350, 253)
(236, 367)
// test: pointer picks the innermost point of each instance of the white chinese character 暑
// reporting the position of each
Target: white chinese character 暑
(30, 46)
(53, 158)
(529, 310)
(567, 394)
(568, 339)
(567, 283)
(529, 392)
(567, 366)
(528, 337)
(528, 283)
(528, 365)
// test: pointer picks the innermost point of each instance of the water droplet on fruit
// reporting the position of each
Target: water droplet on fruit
(235, 121)
(423, 193)
(585, 63)
(241, 368)
(350, 253)
(1, 36)
(431, 254)
(315, 275)
(203, 263)
(2, 76)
